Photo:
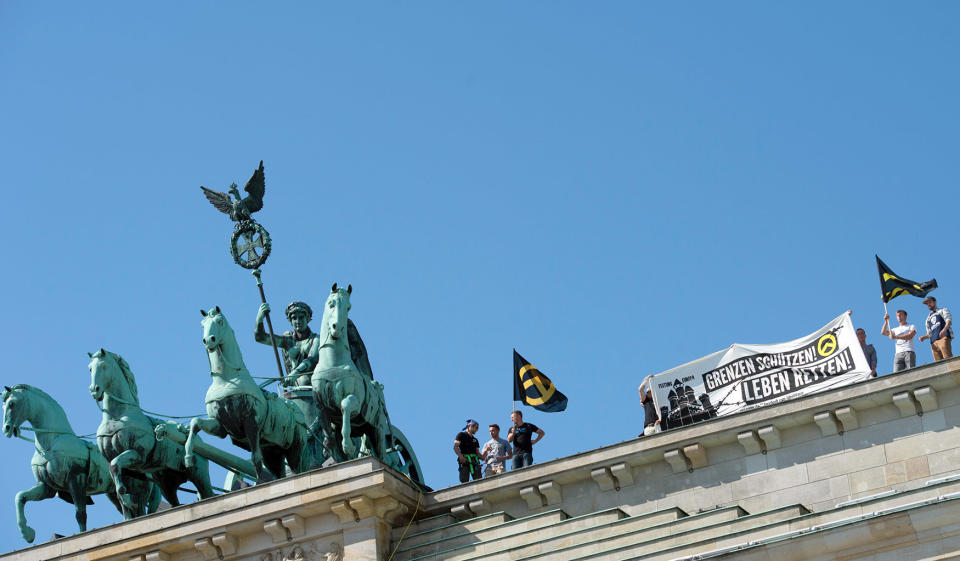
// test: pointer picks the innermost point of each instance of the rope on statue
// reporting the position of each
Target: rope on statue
(90, 436)
(412, 517)
(154, 413)
(269, 380)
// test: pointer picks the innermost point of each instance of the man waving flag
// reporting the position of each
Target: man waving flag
(533, 388)
(893, 285)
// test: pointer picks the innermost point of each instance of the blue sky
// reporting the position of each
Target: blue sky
(613, 189)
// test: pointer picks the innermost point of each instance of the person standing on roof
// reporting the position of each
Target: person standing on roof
(939, 330)
(467, 448)
(902, 335)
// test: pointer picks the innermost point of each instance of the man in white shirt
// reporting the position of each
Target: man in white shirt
(902, 334)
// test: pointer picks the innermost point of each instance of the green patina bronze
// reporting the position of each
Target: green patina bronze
(350, 402)
(300, 346)
(250, 244)
(63, 464)
(336, 409)
(273, 429)
(126, 436)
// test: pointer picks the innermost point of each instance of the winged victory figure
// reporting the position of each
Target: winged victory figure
(240, 209)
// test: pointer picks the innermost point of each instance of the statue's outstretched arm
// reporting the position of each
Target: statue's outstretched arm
(260, 334)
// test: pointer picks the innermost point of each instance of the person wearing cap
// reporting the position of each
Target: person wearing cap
(651, 419)
(902, 336)
(300, 347)
(939, 329)
(467, 449)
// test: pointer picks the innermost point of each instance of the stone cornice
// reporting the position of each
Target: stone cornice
(687, 448)
(352, 505)
(267, 508)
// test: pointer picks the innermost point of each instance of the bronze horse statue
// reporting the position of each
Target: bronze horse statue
(350, 402)
(127, 439)
(63, 464)
(270, 427)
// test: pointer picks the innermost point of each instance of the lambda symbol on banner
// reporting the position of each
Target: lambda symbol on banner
(827, 344)
(546, 392)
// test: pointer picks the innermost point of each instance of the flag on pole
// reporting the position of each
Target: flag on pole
(893, 285)
(533, 388)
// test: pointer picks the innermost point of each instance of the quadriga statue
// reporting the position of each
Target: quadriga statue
(63, 464)
(350, 402)
(271, 428)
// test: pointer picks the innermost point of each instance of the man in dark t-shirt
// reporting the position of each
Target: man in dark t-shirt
(651, 419)
(468, 451)
(521, 435)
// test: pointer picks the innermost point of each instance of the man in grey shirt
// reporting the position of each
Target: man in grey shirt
(495, 453)
(868, 351)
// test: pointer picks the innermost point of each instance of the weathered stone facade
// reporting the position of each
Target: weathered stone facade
(869, 471)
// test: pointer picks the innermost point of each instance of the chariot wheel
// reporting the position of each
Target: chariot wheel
(402, 456)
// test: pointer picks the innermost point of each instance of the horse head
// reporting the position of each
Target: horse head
(98, 377)
(15, 410)
(215, 329)
(335, 313)
(223, 352)
(110, 373)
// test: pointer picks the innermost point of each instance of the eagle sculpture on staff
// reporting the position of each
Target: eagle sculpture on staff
(250, 244)
(240, 209)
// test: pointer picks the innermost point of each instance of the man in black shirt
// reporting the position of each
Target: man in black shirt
(868, 351)
(651, 419)
(468, 451)
(520, 435)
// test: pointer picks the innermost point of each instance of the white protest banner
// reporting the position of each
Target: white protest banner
(744, 377)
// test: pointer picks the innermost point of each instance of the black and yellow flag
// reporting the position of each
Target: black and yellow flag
(893, 285)
(533, 388)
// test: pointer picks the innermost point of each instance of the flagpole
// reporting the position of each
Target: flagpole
(514, 404)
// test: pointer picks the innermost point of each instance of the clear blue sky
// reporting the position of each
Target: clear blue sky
(613, 189)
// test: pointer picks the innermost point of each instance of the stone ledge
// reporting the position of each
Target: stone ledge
(822, 409)
(200, 525)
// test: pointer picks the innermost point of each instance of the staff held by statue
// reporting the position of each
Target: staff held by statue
(250, 243)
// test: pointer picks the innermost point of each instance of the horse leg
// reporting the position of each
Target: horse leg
(153, 498)
(350, 406)
(38, 492)
(380, 438)
(136, 489)
(77, 484)
(297, 454)
(199, 475)
(197, 424)
(252, 431)
(273, 460)
(168, 483)
(112, 495)
(125, 459)
(322, 428)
